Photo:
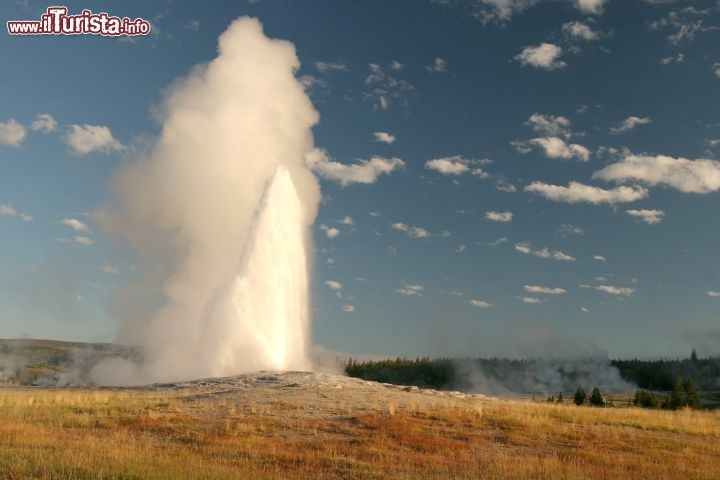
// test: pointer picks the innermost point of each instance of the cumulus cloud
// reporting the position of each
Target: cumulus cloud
(11, 133)
(414, 232)
(590, 6)
(455, 165)
(629, 123)
(9, 211)
(713, 293)
(109, 269)
(599, 258)
(647, 216)
(438, 66)
(84, 139)
(383, 88)
(531, 300)
(613, 290)
(526, 248)
(410, 290)
(75, 224)
(348, 308)
(679, 58)
(330, 232)
(347, 220)
(480, 303)
(584, 310)
(556, 147)
(44, 122)
(333, 285)
(545, 290)
(566, 230)
(580, 30)
(384, 137)
(545, 56)
(499, 216)
(549, 125)
(689, 176)
(364, 171)
(577, 192)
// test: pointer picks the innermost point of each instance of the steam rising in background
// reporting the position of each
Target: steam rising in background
(218, 214)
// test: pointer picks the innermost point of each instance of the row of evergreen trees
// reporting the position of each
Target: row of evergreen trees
(683, 394)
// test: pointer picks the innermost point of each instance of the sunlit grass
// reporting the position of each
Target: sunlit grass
(81, 434)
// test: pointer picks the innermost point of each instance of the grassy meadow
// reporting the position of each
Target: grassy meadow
(128, 434)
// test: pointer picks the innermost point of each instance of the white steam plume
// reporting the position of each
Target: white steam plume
(218, 212)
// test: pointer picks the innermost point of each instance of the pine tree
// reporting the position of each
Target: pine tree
(596, 400)
(580, 396)
(560, 398)
(692, 399)
(676, 400)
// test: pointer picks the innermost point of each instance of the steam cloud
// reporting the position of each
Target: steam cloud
(218, 212)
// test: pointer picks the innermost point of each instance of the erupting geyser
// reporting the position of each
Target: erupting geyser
(218, 212)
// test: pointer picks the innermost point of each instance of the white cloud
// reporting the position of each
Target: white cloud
(549, 125)
(333, 285)
(395, 65)
(566, 230)
(383, 88)
(384, 137)
(498, 242)
(545, 56)
(44, 122)
(526, 248)
(556, 147)
(531, 300)
(480, 303)
(590, 6)
(328, 66)
(629, 123)
(364, 171)
(311, 81)
(415, 232)
(330, 232)
(78, 240)
(613, 290)
(411, 290)
(11, 133)
(347, 220)
(455, 165)
(599, 258)
(9, 211)
(580, 31)
(689, 176)
(75, 224)
(716, 70)
(679, 58)
(712, 293)
(438, 66)
(647, 216)
(348, 308)
(584, 310)
(503, 185)
(577, 192)
(545, 290)
(460, 249)
(109, 269)
(499, 216)
(91, 138)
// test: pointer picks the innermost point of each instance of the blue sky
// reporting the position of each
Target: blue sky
(551, 176)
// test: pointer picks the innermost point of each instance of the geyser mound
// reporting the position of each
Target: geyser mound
(218, 213)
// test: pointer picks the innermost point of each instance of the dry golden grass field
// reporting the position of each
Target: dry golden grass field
(304, 426)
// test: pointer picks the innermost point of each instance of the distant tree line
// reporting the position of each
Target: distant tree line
(661, 374)
(683, 394)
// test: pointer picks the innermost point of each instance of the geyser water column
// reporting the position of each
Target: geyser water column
(219, 213)
(263, 318)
